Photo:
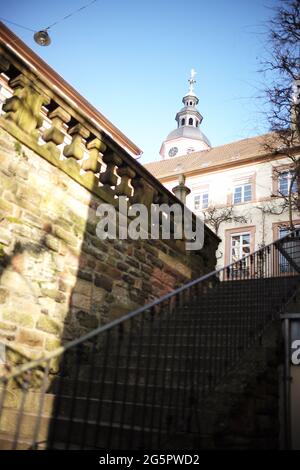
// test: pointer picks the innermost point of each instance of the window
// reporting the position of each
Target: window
(183, 122)
(242, 193)
(201, 201)
(291, 250)
(239, 243)
(191, 121)
(285, 181)
(239, 246)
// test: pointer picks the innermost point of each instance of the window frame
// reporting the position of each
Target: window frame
(242, 186)
(241, 180)
(200, 194)
(251, 229)
(277, 170)
(241, 234)
(290, 174)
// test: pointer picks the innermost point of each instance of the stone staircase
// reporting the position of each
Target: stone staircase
(190, 379)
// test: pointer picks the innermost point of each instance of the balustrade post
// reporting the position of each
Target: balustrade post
(92, 164)
(126, 174)
(54, 135)
(24, 107)
(109, 178)
(76, 148)
(143, 192)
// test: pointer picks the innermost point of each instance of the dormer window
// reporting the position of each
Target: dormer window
(183, 122)
(191, 122)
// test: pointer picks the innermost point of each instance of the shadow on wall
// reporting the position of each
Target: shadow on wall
(58, 281)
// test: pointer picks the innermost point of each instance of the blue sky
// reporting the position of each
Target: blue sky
(131, 59)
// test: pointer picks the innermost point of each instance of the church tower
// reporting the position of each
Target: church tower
(187, 137)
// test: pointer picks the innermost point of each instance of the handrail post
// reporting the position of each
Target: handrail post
(287, 385)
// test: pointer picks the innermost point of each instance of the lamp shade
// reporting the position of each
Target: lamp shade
(42, 38)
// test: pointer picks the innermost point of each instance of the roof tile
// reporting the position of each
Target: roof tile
(235, 151)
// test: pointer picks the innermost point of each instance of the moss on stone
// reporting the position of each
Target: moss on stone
(18, 148)
(2, 252)
(49, 325)
(19, 318)
(14, 220)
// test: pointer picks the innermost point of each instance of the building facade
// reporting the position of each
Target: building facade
(241, 188)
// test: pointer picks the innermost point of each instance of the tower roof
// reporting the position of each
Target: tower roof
(189, 132)
(187, 137)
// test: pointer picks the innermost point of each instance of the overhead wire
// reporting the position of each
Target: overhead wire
(16, 24)
(71, 14)
(55, 22)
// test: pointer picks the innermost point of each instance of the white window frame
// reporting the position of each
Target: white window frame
(239, 234)
(290, 175)
(200, 194)
(242, 186)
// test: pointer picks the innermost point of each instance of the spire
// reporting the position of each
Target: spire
(189, 115)
(192, 81)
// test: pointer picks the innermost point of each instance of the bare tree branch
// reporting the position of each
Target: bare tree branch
(282, 70)
(215, 216)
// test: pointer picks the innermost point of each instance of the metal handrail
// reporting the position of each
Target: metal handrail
(101, 329)
(145, 377)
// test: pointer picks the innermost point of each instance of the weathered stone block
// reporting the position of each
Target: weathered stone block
(31, 219)
(7, 326)
(31, 338)
(101, 280)
(86, 320)
(7, 336)
(128, 279)
(6, 206)
(140, 256)
(52, 343)
(54, 294)
(83, 287)
(98, 294)
(19, 317)
(3, 295)
(93, 251)
(109, 271)
(87, 275)
(23, 230)
(100, 244)
(47, 305)
(122, 266)
(52, 242)
(49, 325)
(5, 236)
(132, 262)
(59, 262)
(81, 301)
(68, 237)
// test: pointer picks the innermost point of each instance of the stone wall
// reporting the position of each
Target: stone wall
(57, 279)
